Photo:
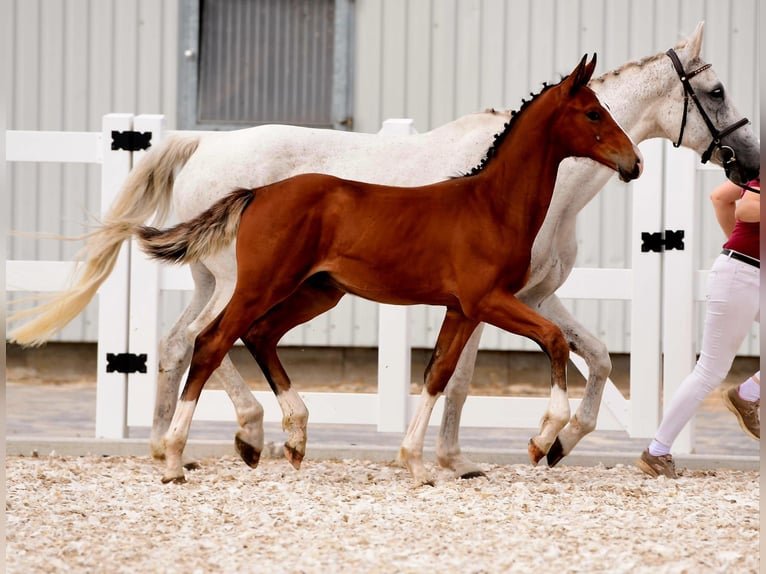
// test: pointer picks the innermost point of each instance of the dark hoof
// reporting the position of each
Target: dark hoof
(174, 480)
(247, 453)
(192, 465)
(556, 453)
(295, 457)
(473, 474)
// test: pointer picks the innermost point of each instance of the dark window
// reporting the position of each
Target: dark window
(248, 62)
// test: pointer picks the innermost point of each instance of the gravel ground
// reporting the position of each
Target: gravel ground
(111, 514)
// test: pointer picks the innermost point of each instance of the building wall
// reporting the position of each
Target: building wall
(431, 60)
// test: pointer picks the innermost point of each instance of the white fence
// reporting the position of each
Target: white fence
(662, 287)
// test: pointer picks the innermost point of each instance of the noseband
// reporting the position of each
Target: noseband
(728, 157)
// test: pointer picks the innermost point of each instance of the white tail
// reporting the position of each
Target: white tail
(147, 192)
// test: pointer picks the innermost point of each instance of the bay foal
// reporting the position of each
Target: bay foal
(464, 243)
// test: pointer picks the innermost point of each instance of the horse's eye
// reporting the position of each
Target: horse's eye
(593, 115)
(717, 93)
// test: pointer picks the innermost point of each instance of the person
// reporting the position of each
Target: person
(732, 305)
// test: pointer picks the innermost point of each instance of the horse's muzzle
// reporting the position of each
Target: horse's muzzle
(633, 172)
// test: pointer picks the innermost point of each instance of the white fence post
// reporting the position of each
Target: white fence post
(111, 387)
(144, 333)
(646, 306)
(678, 283)
(394, 352)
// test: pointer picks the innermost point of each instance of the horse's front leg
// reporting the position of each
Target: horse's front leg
(505, 311)
(596, 356)
(448, 452)
(455, 331)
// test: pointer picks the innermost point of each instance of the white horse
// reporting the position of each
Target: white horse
(647, 98)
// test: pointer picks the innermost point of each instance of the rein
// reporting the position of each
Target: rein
(728, 157)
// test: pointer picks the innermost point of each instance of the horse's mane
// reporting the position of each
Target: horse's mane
(637, 63)
(507, 127)
(633, 64)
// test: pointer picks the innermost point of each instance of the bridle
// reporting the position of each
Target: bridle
(727, 155)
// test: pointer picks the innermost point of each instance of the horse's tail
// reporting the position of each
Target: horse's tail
(208, 233)
(147, 191)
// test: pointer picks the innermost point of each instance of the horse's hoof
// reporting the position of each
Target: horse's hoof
(192, 465)
(473, 474)
(174, 479)
(246, 452)
(535, 454)
(294, 456)
(556, 453)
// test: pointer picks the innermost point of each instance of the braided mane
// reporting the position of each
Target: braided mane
(500, 137)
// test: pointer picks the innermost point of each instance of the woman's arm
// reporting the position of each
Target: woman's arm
(724, 198)
(749, 207)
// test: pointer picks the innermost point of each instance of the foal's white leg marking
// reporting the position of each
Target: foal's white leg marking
(411, 451)
(295, 417)
(447, 443)
(553, 420)
(175, 441)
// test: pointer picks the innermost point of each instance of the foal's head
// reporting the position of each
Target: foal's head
(588, 128)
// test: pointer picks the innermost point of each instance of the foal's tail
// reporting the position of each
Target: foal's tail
(208, 233)
(147, 190)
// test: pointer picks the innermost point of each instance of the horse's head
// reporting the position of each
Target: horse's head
(700, 115)
(588, 128)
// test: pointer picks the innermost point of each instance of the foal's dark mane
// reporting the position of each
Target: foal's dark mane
(500, 137)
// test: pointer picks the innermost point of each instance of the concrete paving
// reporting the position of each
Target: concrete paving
(43, 418)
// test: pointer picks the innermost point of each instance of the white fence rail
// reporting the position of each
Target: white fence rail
(662, 287)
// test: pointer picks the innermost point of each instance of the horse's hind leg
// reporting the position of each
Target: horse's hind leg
(506, 312)
(210, 348)
(175, 353)
(248, 439)
(448, 452)
(455, 331)
(596, 356)
(313, 298)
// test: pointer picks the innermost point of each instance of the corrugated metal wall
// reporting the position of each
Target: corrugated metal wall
(432, 60)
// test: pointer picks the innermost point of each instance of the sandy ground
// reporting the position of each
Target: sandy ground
(96, 514)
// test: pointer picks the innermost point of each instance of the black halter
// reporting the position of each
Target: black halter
(728, 157)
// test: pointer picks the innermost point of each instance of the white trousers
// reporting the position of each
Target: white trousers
(732, 306)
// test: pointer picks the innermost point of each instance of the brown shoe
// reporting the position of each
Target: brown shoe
(746, 412)
(657, 465)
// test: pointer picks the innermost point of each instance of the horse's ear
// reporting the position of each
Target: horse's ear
(695, 40)
(589, 69)
(581, 75)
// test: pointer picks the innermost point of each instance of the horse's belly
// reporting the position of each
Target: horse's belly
(392, 288)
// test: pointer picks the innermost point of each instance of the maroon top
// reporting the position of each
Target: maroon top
(746, 237)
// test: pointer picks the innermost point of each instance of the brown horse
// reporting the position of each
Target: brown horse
(464, 243)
